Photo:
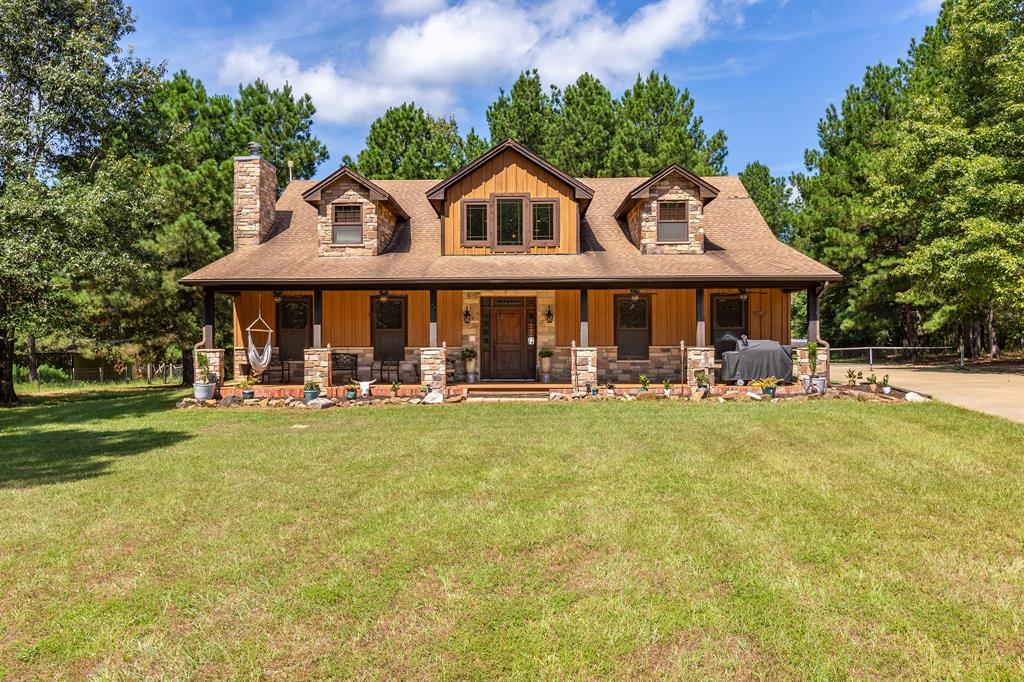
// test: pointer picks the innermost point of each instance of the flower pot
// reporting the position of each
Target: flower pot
(203, 391)
(668, 392)
(310, 394)
(806, 381)
(248, 393)
(350, 395)
(886, 390)
(594, 391)
(820, 384)
(873, 388)
(545, 365)
(768, 391)
(470, 366)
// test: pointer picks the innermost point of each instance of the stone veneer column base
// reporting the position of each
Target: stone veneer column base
(584, 367)
(216, 359)
(433, 362)
(699, 358)
(803, 364)
(316, 366)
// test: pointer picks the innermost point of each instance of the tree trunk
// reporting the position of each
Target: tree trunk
(7, 394)
(187, 370)
(993, 338)
(33, 361)
(910, 337)
(976, 339)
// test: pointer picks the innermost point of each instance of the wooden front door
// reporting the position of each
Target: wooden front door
(508, 338)
(295, 326)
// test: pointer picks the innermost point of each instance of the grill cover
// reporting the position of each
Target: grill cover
(758, 360)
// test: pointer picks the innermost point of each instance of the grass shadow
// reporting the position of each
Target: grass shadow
(79, 407)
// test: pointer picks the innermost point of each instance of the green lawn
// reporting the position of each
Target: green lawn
(605, 540)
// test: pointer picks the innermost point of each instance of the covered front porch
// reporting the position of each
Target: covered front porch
(416, 337)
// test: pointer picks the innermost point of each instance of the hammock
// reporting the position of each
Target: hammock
(259, 360)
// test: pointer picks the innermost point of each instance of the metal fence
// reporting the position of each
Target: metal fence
(898, 355)
(165, 372)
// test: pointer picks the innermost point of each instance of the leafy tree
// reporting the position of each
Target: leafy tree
(955, 173)
(65, 208)
(774, 198)
(657, 127)
(473, 146)
(407, 143)
(582, 132)
(526, 114)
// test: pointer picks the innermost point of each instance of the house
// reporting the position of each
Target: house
(393, 278)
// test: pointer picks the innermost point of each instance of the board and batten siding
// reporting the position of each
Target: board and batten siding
(511, 173)
(346, 316)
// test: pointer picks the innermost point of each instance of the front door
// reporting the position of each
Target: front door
(389, 327)
(728, 321)
(295, 326)
(508, 338)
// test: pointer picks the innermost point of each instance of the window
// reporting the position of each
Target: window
(543, 222)
(673, 221)
(633, 327)
(509, 215)
(475, 220)
(348, 224)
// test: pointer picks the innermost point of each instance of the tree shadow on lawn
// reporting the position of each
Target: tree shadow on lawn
(31, 458)
(80, 407)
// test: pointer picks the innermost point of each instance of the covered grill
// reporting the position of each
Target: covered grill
(757, 359)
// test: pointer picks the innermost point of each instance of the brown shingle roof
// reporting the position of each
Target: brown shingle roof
(740, 248)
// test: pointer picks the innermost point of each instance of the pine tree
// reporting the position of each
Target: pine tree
(407, 143)
(656, 127)
(527, 114)
(582, 132)
(772, 196)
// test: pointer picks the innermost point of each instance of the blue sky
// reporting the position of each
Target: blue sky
(762, 71)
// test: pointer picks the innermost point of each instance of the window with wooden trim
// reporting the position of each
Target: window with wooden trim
(508, 218)
(543, 223)
(475, 223)
(673, 221)
(633, 327)
(347, 224)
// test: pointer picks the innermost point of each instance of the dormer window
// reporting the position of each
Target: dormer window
(509, 217)
(673, 222)
(347, 224)
(475, 223)
(544, 223)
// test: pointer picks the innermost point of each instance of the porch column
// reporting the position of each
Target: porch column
(701, 338)
(813, 328)
(584, 331)
(433, 318)
(318, 318)
(208, 318)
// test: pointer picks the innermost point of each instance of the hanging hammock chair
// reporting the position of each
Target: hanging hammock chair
(259, 360)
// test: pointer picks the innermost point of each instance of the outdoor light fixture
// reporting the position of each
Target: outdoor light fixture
(277, 296)
(466, 316)
(743, 294)
(383, 297)
(549, 315)
(634, 294)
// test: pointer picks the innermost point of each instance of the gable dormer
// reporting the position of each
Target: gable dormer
(355, 217)
(664, 213)
(510, 200)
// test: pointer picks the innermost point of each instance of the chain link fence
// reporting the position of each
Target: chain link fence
(898, 355)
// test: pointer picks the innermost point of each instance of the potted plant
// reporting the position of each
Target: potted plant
(644, 382)
(667, 385)
(767, 385)
(610, 387)
(701, 377)
(246, 385)
(812, 364)
(545, 354)
(424, 390)
(206, 381)
(351, 391)
(872, 382)
(469, 360)
(310, 390)
(395, 386)
(852, 375)
(886, 388)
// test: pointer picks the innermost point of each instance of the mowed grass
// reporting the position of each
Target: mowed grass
(610, 540)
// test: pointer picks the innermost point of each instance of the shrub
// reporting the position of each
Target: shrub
(47, 375)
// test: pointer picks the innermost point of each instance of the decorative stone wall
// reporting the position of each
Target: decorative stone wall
(216, 359)
(584, 367)
(561, 365)
(700, 358)
(803, 365)
(643, 218)
(378, 221)
(664, 363)
(432, 368)
(316, 366)
(254, 198)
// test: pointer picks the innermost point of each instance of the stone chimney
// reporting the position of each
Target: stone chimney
(255, 193)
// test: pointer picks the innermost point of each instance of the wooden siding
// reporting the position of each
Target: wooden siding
(449, 317)
(510, 172)
(674, 315)
(567, 317)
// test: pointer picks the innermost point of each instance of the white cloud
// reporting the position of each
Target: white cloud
(338, 97)
(409, 8)
(429, 58)
(928, 6)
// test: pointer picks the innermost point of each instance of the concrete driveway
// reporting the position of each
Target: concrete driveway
(991, 391)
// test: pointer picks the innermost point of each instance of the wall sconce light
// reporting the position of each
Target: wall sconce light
(634, 294)
(743, 294)
(467, 317)
(277, 296)
(383, 296)
(549, 315)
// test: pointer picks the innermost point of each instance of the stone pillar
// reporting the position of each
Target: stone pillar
(215, 356)
(433, 367)
(238, 359)
(803, 364)
(316, 366)
(584, 367)
(699, 358)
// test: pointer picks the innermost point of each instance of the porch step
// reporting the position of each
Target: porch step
(507, 388)
(506, 396)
